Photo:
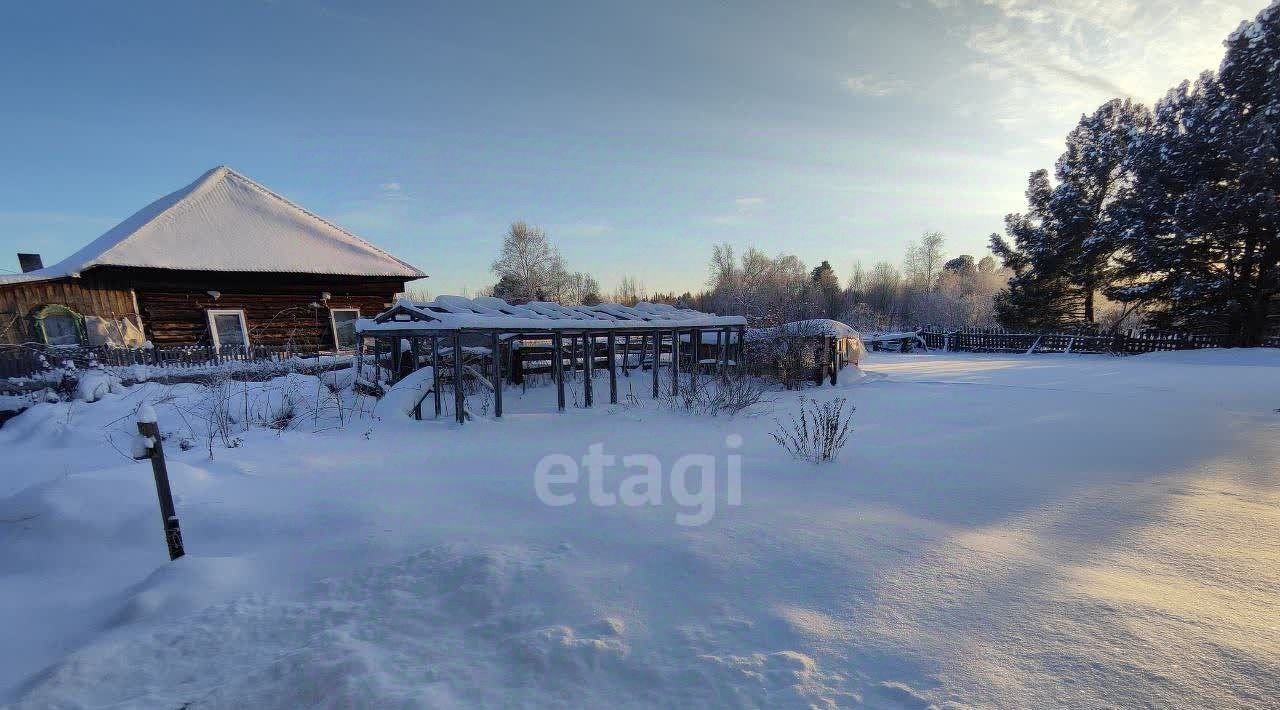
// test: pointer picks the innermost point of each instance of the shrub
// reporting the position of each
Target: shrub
(819, 433)
(730, 392)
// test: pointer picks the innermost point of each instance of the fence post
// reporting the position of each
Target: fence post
(150, 430)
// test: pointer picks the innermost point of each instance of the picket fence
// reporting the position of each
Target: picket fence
(1123, 343)
(30, 360)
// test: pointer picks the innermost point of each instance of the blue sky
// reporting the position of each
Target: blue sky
(637, 134)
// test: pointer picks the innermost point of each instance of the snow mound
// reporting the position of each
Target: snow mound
(400, 400)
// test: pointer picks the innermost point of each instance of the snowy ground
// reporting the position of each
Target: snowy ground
(1002, 532)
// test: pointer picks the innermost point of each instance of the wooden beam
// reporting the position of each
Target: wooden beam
(657, 358)
(495, 348)
(588, 367)
(459, 399)
(695, 343)
(675, 363)
(557, 368)
(613, 369)
(436, 379)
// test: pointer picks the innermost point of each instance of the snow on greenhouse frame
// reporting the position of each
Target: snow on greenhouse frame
(414, 336)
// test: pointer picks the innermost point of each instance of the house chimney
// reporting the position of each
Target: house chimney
(30, 262)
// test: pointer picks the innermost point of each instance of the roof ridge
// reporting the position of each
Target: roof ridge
(268, 191)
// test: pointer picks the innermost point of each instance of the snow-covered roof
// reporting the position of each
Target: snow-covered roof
(820, 326)
(448, 313)
(226, 222)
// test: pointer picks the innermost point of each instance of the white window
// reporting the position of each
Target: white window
(227, 328)
(343, 321)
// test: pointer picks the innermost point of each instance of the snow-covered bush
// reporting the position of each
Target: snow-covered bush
(92, 385)
(819, 433)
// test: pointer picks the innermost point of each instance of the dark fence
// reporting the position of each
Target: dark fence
(1127, 343)
(29, 360)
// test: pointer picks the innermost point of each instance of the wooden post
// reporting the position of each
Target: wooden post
(613, 368)
(722, 349)
(588, 367)
(657, 358)
(557, 368)
(436, 379)
(417, 408)
(397, 354)
(835, 360)
(626, 356)
(155, 452)
(459, 399)
(695, 341)
(495, 348)
(675, 363)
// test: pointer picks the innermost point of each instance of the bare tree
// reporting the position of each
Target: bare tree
(924, 260)
(529, 267)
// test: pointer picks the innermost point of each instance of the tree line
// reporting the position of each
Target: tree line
(1174, 213)
(1166, 217)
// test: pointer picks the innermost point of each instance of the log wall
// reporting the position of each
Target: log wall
(278, 307)
(101, 296)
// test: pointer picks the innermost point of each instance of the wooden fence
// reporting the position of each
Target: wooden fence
(29, 360)
(1126, 343)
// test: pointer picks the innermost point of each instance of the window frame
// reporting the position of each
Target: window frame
(211, 315)
(333, 327)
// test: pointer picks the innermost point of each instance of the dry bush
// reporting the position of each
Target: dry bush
(731, 392)
(819, 433)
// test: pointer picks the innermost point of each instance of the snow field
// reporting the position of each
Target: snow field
(1001, 531)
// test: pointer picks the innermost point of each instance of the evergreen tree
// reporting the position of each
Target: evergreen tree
(1203, 215)
(1064, 246)
(828, 284)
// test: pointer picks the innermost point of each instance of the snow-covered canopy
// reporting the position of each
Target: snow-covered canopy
(450, 313)
(815, 327)
(226, 222)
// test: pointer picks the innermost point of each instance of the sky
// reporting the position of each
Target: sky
(637, 134)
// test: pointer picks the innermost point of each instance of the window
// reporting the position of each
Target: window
(227, 329)
(59, 325)
(344, 327)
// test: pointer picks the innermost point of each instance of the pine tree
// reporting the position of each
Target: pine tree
(1202, 219)
(828, 284)
(1064, 246)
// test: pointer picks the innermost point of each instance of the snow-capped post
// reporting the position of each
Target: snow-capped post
(149, 435)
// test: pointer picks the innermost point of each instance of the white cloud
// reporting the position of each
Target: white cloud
(868, 85)
(748, 202)
(1055, 59)
(392, 190)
